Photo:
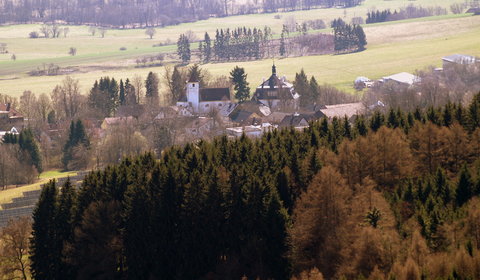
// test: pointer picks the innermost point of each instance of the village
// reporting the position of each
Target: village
(204, 113)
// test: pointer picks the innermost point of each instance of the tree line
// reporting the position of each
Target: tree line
(123, 14)
(410, 11)
(289, 203)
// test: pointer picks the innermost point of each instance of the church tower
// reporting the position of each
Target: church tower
(193, 94)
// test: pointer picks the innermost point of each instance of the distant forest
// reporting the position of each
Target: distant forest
(141, 13)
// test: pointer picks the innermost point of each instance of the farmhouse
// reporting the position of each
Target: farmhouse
(456, 59)
(205, 100)
(402, 78)
(9, 117)
(277, 93)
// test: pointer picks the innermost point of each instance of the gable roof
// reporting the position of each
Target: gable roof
(460, 58)
(403, 78)
(273, 87)
(214, 94)
(342, 110)
(293, 120)
(7, 108)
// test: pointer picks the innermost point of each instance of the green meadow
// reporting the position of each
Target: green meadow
(392, 47)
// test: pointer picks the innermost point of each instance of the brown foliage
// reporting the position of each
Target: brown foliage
(319, 233)
(14, 241)
(428, 145)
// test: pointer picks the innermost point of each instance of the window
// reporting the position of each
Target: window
(193, 85)
(206, 105)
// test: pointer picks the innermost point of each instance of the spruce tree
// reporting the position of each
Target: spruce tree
(240, 84)
(207, 48)
(44, 253)
(64, 228)
(121, 97)
(464, 187)
(183, 48)
(151, 85)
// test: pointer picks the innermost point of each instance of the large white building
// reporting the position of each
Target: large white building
(200, 101)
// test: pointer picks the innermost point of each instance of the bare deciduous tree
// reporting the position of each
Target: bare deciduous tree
(14, 241)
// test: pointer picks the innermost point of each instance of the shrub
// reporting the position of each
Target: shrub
(277, 17)
(123, 48)
(33, 35)
(72, 51)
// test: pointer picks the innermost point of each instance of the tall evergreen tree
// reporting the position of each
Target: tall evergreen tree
(44, 255)
(464, 187)
(121, 97)
(151, 85)
(207, 48)
(183, 48)
(240, 84)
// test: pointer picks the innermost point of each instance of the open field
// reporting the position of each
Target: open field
(6, 196)
(393, 47)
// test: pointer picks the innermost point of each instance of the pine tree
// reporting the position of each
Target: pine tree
(183, 48)
(64, 228)
(207, 49)
(44, 255)
(240, 84)
(77, 136)
(361, 39)
(151, 85)
(27, 143)
(464, 187)
(121, 97)
(282, 44)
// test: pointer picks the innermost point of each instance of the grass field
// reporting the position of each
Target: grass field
(393, 47)
(6, 196)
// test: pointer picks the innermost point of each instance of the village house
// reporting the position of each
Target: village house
(201, 101)
(9, 118)
(277, 93)
(109, 123)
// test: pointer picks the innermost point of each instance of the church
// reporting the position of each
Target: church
(201, 101)
(277, 93)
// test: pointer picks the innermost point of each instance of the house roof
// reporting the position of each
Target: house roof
(214, 94)
(273, 86)
(460, 58)
(403, 78)
(118, 120)
(240, 116)
(342, 110)
(7, 108)
(292, 120)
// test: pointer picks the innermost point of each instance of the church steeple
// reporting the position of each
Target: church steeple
(274, 69)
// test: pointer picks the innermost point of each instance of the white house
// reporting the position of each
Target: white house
(204, 100)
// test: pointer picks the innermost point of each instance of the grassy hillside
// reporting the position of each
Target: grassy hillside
(417, 42)
(393, 47)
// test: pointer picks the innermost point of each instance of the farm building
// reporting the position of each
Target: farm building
(402, 78)
(455, 59)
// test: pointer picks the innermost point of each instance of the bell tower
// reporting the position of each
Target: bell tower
(193, 94)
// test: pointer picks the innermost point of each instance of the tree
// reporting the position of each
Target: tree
(138, 85)
(72, 51)
(175, 81)
(240, 84)
(183, 48)
(151, 85)
(67, 99)
(207, 48)
(27, 143)
(92, 30)
(151, 32)
(77, 137)
(464, 187)
(102, 31)
(43, 246)
(14, 241)
(361, 38)
(282, 44)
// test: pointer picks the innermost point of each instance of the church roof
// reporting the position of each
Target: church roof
(214, 94)
(273, 87)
